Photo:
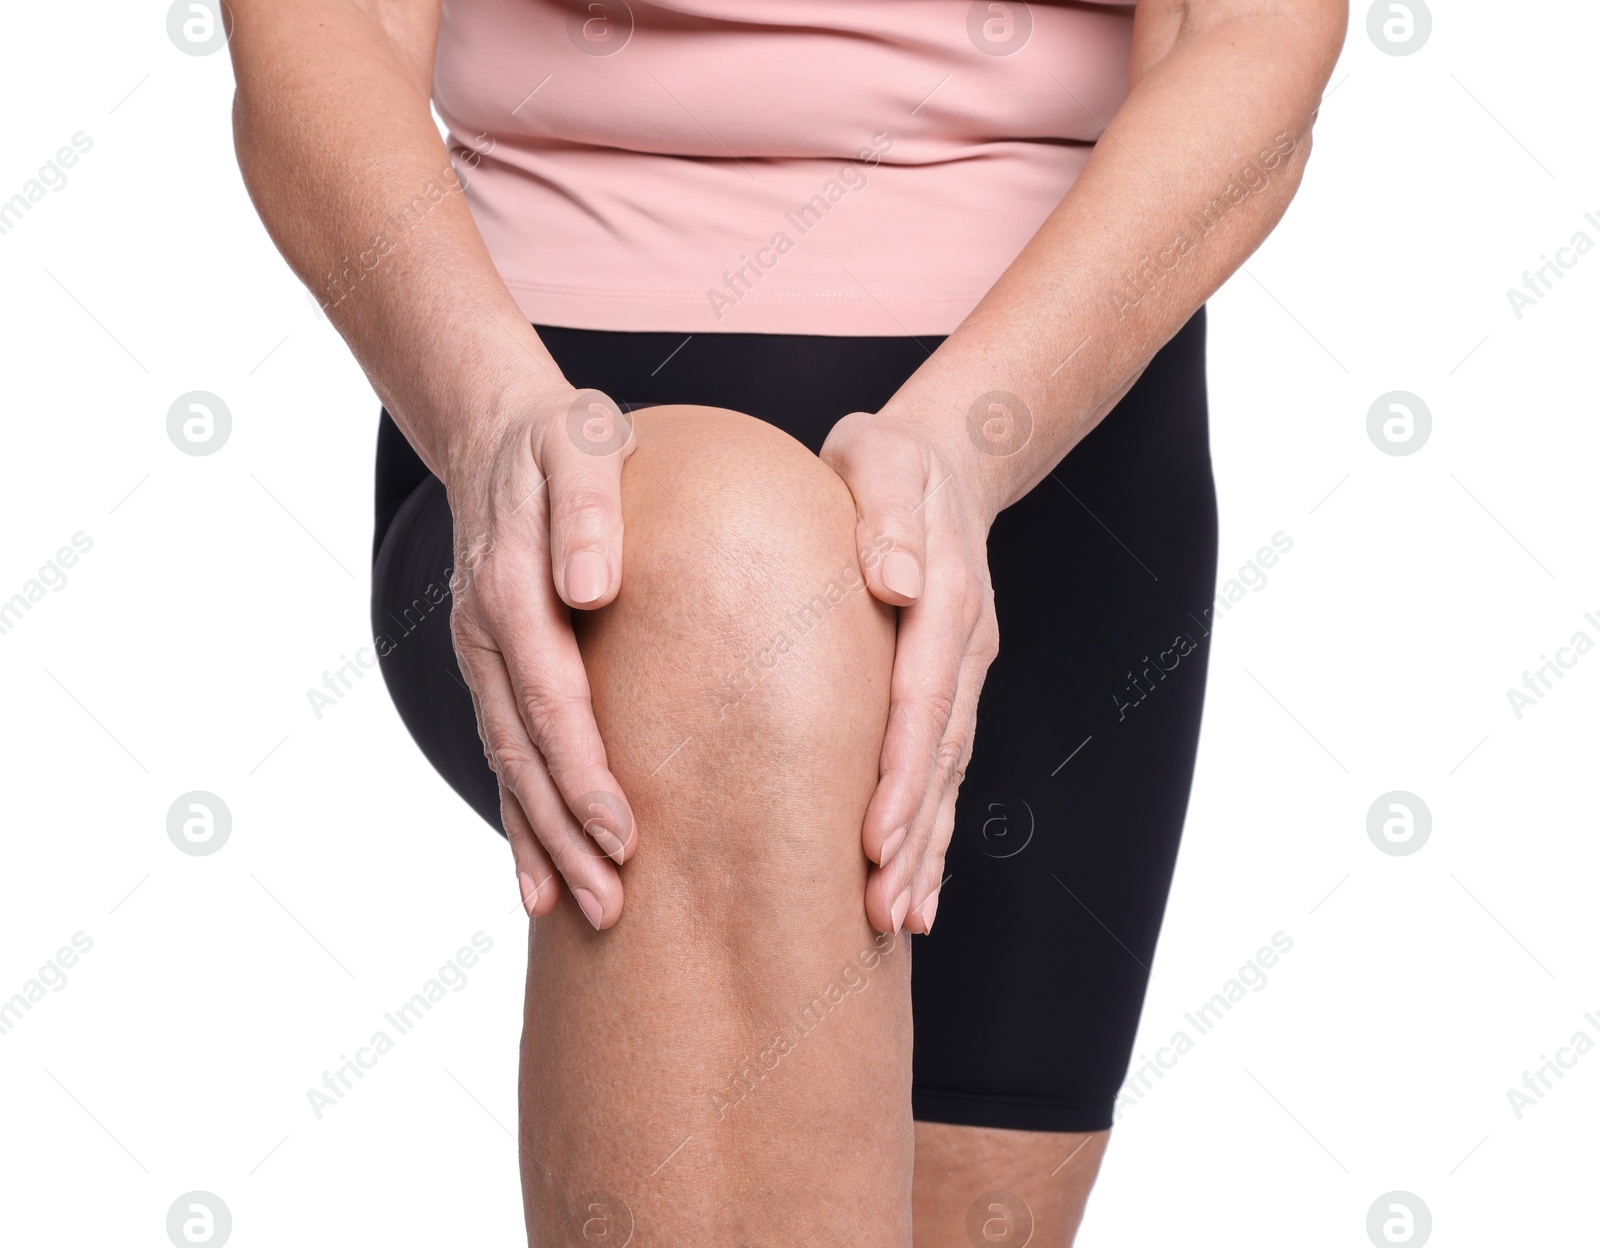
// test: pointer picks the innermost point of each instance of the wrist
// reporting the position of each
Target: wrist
(481, 426)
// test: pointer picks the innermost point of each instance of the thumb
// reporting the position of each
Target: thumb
(584, 449)
(892, 538)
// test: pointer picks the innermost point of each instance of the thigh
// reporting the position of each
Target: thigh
(990, 1185)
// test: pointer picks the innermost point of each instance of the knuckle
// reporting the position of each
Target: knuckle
(470, 558)
(950, 761)
(872, 443)
(866, 435)
(473, 643)
(939, 705)
(545, 712)
(466, 629)
(481, 597)
(585, 507)
(514, 766)
(507, 748)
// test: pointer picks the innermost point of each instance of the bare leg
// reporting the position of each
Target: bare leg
(731, 1063)
(982, 1185)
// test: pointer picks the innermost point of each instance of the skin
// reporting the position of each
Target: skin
(334, 134)
(1049, 1172)
(749, 764)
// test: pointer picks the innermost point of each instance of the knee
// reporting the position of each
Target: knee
(744, 666)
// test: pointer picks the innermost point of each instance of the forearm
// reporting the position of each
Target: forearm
(1196, 169)
(348, 172)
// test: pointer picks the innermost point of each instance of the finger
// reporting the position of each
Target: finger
(581, 453)
(904, 884)
(894, 816)
(955, 753)
(929, 878)
(550, 826)
(922, 696)
(551, 690)
(537, 879)
(538, 809)
(891, 529)
(537, 882)
(533, 647)
(901, 885)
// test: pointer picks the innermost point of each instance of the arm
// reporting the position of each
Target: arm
(335, 141)
(1222, 94)
(1220, 107)
(346, 167)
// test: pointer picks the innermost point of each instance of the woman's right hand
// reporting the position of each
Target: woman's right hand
(536, 504)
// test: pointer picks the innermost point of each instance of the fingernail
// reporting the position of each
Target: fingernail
(530, 892)
(902, 903)
(608, 841)
(929, 909)
(896, 838)
(589, 905)
(587, 576)
(902, 574)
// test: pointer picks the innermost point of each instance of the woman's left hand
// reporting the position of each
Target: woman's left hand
(922, 529)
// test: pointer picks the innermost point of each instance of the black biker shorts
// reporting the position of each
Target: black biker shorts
(1026, 997)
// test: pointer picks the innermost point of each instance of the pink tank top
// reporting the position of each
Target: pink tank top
(849, 167)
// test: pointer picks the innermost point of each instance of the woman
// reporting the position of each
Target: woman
(959, 252)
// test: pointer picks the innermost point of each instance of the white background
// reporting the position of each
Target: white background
(1377, 657)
